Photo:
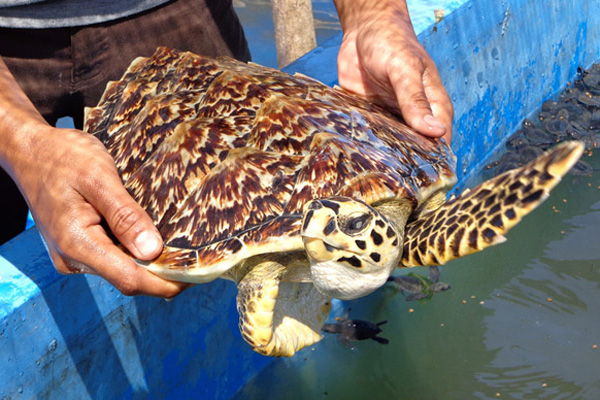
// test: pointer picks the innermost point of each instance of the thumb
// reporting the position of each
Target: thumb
(127, 220)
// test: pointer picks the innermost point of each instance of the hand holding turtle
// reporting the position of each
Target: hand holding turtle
(71, 185)
(76, 188)
(381, 58)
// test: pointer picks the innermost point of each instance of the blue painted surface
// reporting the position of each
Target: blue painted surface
(498, 59)
(78, 337)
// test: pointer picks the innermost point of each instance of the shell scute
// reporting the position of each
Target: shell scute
(180, 163)
(231, 93)
(234, 196)
(132, 143)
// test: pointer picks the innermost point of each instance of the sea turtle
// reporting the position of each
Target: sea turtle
(350, 330)
(417, 287)
(296, 191)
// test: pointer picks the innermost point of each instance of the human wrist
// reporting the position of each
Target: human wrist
(21, 139)
(354, 13)
(19, 134)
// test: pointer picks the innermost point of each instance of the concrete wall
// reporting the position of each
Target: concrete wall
(78, 338)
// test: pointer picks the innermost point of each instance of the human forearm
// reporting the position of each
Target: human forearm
(351, 12)
(19, 122)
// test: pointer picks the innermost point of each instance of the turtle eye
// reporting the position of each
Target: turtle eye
(356, 223)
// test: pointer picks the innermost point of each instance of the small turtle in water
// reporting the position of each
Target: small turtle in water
(417, 287)
(556, 128)
(350, 330)
(296, 191)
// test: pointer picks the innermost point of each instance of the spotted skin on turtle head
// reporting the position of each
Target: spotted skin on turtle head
(351, 246)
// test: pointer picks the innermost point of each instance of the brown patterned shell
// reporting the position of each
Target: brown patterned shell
(222, 153)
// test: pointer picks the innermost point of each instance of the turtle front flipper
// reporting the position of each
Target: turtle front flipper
(479, 218)
(278, 318)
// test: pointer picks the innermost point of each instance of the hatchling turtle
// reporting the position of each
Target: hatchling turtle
(296, 191)
(417, 287)
(350, 330)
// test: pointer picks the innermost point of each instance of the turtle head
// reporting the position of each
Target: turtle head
(352, 248)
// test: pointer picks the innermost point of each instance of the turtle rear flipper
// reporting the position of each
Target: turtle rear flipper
(278, 318)
(380, 340)
(479, 218)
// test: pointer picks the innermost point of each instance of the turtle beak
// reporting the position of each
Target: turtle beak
(319, 250)
(315, 241)
(319, 223)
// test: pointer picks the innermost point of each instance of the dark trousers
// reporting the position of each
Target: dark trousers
(64, 70)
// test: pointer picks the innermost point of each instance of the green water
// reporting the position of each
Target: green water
(520, 321)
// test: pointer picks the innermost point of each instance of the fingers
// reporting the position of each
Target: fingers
(127, 220)
(131, 279)
(416, 110)
(422, 98)
(351, 75)
(71, 189)
(383, 60)
(133, 228)
(96, 254)
(439, 100)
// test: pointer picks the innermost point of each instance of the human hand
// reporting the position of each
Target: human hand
(72, 185)
(381, 58)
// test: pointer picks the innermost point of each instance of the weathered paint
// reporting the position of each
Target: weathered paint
(77, 337)
(500, 60)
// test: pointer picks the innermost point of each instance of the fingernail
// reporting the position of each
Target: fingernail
(148, 243)
(433, 122)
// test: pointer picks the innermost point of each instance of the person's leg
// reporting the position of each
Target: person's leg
(40, 61)
(13, 209)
